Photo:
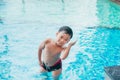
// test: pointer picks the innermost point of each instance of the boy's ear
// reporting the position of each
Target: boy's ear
(57, 33)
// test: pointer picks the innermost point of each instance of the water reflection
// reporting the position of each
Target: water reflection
(5, 70)
(108, 13)
(2, 11)
(1, 21)
(23, 6)
(6, 46)
(60, 12)
(63, 5)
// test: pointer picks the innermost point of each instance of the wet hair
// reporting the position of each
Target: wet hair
(67, 30)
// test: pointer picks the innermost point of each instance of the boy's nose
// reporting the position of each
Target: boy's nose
(62, 40)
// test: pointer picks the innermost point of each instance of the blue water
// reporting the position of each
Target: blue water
(25, 24)
(108, 14)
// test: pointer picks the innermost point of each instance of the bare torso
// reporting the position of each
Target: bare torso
(51, 53)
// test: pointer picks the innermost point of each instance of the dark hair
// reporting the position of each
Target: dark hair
(67, 30)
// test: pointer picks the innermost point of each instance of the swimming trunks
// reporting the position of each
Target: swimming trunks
(56, 66)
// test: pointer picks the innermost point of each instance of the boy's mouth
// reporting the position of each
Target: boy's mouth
(59, 44)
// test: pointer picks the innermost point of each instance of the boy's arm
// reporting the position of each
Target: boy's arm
(66, 50)
(40, 52)
(41, 47)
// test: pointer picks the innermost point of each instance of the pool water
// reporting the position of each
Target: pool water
(98, 48)
(25, 24)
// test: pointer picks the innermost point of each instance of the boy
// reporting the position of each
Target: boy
(51, 52)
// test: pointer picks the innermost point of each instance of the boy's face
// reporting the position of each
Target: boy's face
(62, 38)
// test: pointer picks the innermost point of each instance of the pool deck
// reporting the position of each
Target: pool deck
(112, 73)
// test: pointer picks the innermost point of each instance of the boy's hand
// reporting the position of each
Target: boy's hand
(72, 43)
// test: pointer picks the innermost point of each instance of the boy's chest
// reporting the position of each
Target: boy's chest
(53, 49)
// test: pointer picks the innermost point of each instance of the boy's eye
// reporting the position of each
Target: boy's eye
(61, 37)
(65, 39)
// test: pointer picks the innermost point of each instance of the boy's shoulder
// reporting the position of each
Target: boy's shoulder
(48, 40)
